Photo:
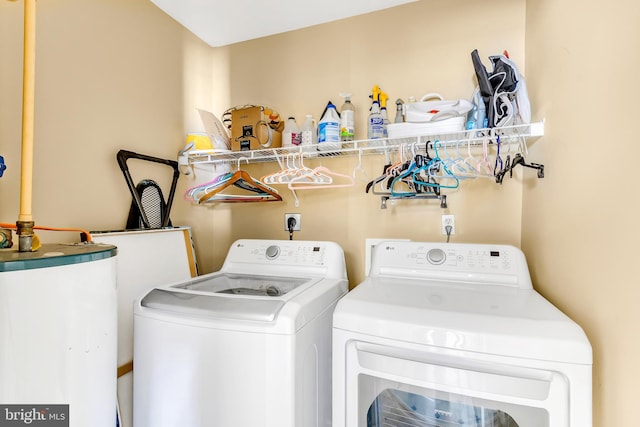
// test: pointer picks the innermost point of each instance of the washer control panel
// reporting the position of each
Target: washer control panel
(298, 258)
(283, 252)
(299, 254)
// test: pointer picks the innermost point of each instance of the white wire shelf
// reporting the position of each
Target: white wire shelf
(508, 135)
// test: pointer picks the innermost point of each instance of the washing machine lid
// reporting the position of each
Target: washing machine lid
(489, 319)
(245, 284)
(228, 296)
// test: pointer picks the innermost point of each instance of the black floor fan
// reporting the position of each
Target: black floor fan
(148, 208)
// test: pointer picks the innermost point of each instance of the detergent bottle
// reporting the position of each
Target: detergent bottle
(291, 133)
(347, 119)
(308, 131)
(329, 129)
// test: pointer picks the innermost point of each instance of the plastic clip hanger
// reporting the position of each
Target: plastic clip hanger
(518, 160)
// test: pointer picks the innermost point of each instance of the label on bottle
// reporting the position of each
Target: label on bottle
(328, 132)
(296, 138)
(347, 130)
(306, 137)
(376, 127)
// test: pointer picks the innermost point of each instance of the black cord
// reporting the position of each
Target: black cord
(291, 223)
(448, 230)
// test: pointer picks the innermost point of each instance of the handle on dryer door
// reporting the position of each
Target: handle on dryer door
(426, 369)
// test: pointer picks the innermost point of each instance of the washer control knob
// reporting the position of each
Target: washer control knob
(272, 252)
(436, 256)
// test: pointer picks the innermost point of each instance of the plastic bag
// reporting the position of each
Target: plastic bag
(503, 92)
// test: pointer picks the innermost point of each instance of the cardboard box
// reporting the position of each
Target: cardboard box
(250, 130)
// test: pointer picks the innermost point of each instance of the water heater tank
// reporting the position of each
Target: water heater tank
(58, 335)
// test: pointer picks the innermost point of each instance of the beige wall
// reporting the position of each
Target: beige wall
(110, 75)
(121, 74)
(115, 74)
(580, 223)
(407, 51)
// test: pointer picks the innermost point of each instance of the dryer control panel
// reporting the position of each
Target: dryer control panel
(494, 264)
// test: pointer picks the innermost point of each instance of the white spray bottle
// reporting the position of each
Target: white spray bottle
(375, 125)
(383, 111)
(347, 119)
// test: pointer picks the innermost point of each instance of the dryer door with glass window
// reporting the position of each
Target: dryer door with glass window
(389, 386)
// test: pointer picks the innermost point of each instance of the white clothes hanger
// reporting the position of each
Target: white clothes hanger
(295, 170)
(359, 172)
(302, 182)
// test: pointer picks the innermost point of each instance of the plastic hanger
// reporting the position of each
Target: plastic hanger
(418, 164)
(416, 192)
(372, 184)
(295, 170)
(460, 166)
(436, 164)
(499, 164)
(192, 194)
(400, 178)
(359, 172)
(483, 167)
(518, 159)
(302, 182)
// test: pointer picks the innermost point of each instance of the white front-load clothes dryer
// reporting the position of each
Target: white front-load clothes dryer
(247, 346)
(444, 335)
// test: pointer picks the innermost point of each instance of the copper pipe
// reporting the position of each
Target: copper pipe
(25, 219)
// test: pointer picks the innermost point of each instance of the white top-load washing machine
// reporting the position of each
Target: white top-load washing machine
(249, 345)
(455, 335)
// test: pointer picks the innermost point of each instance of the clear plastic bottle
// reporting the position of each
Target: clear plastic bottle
(375, 129)
(383, 111)
(399, 111)
(329, 129)
(385, 121)
(308, 132)
(347, 119)
(291, 134)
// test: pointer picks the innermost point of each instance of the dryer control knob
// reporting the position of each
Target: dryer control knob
(272, 252)
(436, 256)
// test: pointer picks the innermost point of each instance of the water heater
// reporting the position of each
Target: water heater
(58, 334)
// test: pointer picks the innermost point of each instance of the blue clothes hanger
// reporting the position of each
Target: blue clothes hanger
(432, 168)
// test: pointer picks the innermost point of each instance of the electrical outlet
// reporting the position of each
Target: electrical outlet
(297, 217)
(448, 220)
